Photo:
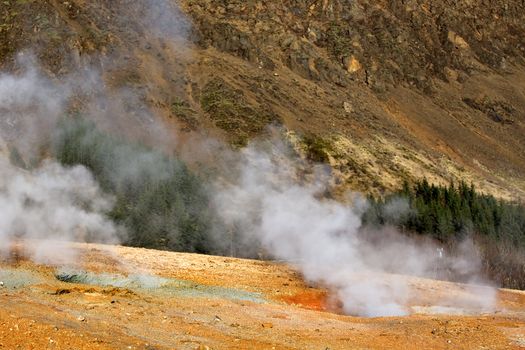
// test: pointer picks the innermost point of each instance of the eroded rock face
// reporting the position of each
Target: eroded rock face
(390, 42)
(409, 42)
(439, 82)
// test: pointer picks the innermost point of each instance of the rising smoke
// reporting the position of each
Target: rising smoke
(164, 20)
(45, 201)
(29, 108)
(293, 221)
(51, 203)
(42, 200)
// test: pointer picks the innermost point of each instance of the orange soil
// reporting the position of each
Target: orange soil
(55, 315)
(312, 300)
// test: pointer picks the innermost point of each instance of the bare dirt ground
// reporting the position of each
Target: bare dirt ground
(128, 298)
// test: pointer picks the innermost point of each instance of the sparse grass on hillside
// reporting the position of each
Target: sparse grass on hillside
(318, 148)
(183, 111)
(231, 112)
(339, 40)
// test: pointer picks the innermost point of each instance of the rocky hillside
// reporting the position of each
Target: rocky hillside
(383, 90)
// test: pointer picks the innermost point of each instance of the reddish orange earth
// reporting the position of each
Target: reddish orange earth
(129, 298)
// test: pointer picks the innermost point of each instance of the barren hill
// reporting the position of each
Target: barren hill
(386, 90)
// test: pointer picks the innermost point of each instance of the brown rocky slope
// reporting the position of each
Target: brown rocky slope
(394, 89)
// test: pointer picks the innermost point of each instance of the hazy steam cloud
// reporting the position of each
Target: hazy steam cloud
(156, 21)
(40, 199)
(45, 201)
(165, 20)
(52, 203)
(48, 202)
(324, 237)
(29, 108)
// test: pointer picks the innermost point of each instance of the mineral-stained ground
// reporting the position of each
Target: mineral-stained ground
(129, 298)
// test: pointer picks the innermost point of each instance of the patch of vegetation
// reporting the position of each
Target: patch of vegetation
(182, 110)
(160, 202)
(317, 148)
(450, 213)
(338, 40)
(127, 76)
(231, 112)
(9, 29)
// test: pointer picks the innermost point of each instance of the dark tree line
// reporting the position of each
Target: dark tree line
(450, 213)
(159, 201)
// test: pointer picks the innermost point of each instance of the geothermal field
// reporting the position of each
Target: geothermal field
(212, 174)
(115, 297)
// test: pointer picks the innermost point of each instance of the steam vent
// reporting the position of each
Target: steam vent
(212, 174)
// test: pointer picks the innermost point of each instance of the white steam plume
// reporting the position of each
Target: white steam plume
(324, 237)
(156, 21)
(29, 108)
(267, 202)
(50, 204)
(47, 202)
(166, 21)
